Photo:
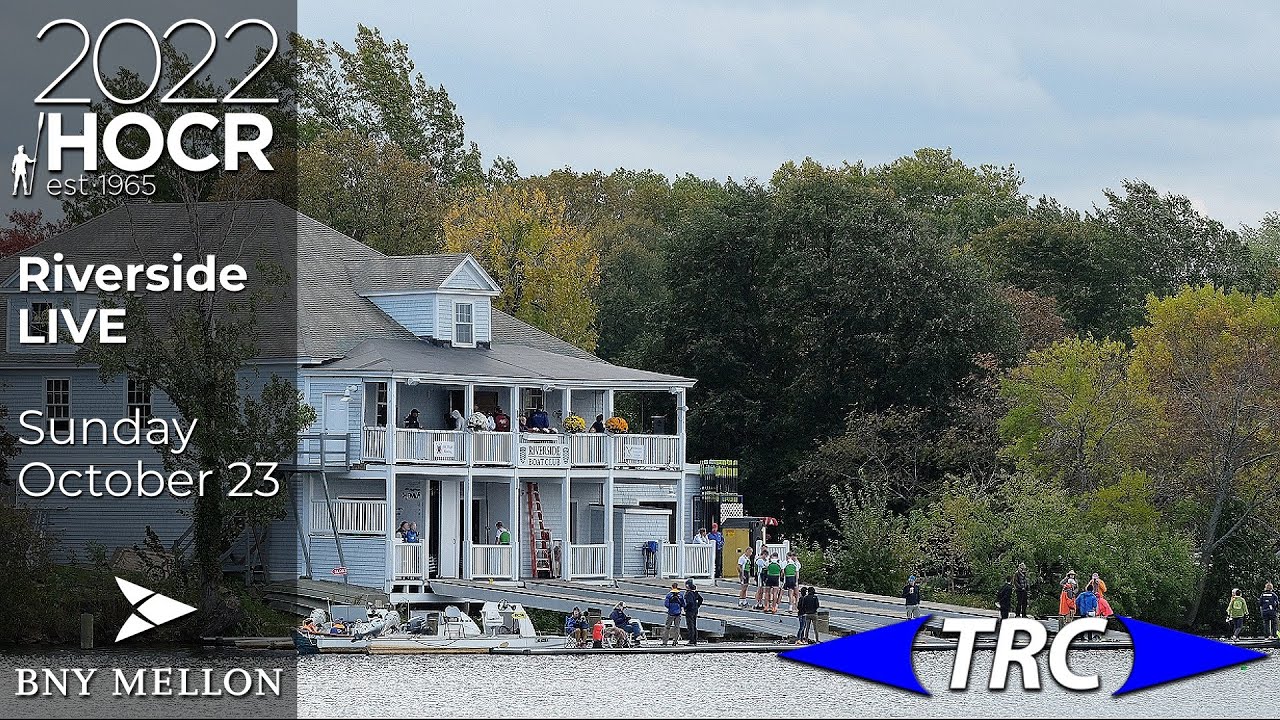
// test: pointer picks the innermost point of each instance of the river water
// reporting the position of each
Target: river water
(684, 686)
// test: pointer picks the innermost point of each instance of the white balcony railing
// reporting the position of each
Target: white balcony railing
(445, 447)
(588, 449)
(373, 447)
(699, 560)
(410, 560)
(646, 451)
(588, 561)
(492, 561)
(491, 448)
(354, 517)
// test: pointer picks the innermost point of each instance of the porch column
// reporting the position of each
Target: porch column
(682, 410)
(391, 527)
(513, 412)
(515, 527)
(468, 407)
(566, 544)
(468, 522)
(608, 490)
(392, 419)
(681, 531)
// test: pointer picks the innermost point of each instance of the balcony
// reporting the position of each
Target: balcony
(529, 450)
(699, 561)
(492, 561)
(353, 517)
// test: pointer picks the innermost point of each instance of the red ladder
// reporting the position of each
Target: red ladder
(540, 537)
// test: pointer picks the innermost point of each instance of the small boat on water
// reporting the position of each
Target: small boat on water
(506, 625)
(343, 629)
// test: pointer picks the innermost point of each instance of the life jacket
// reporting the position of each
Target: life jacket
(597, 631)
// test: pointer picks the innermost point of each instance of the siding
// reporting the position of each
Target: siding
(632, 528)
(466, 278)
(366, 560)
(416, 311)
(481, 314)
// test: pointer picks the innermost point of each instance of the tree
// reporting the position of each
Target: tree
(375, 91)
(547, 267)
(956, 200)
(1211, 357)
(1075, 415)
(195, 347)
(1264, 242)
(372, 191)
(26, 228)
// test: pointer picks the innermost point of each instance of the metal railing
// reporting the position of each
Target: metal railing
(354, 517)
(588, 561)
(327, 450)
(450, 447)
(492, 561)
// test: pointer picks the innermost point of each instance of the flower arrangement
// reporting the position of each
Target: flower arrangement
(615, 424)
(574, 424)
(478, 421)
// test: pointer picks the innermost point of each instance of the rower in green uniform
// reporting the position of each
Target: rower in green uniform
(791, 580)
(772, 583)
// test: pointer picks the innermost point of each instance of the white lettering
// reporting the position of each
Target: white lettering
(967, 629)
(1058, 666)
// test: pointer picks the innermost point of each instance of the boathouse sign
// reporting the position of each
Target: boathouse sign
(544, 455)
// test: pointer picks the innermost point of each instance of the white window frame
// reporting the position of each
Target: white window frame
(49, 406)
(129, 403)
(471, 312)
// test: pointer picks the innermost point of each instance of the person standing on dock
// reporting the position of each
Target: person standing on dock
(746, 568)
(1237, 611)
(1021, 586)
(717, 537)
(772, 584)
(911, 594)
(1087, 606)
(674, 604)
(791, 580)
(807, 610)
(762, 563)
(1269, 608)
(1067, 602)
(692, 601)
(1004, 597)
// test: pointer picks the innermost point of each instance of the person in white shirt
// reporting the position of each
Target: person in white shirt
(746, 568)
(700, 538)
(762, 562)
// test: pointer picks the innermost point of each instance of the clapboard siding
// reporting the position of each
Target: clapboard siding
(415, 311)
(366, 559)
(481, 314)
(632, 528)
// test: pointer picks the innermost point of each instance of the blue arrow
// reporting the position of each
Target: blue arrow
(882, 655)
(1161, 655)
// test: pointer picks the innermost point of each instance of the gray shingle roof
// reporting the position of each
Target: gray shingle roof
(402, 273)
(333, 321)
(500, 361)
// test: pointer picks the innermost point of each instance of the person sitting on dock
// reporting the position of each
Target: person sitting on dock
(625, 624)
(674, 603)
(575, 627)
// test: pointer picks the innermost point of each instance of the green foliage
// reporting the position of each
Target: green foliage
(873, 544)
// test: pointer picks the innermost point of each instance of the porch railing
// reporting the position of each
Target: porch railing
(699, 560)
(410, 563)
(431, 446)
(328, 450)
(373, 446)
(588, 561)
(588, 449)
(491, 448)
(646, 451)
(492, 561)
(354, 517)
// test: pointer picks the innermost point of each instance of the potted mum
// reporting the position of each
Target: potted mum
(574, 424)
(616, 425)
(477, 422)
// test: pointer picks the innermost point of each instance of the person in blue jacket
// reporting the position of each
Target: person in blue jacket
(575, 626)
(1269, 607)
(1087, 606)
(624, 622)
(674, 603)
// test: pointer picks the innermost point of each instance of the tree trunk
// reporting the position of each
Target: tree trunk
(1206, 556)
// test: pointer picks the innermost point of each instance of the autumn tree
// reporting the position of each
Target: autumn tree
(547, 267)
(1074, 412)
(1211, 357)
(26, 228)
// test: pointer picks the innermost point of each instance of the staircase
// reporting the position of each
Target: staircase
(539, 536)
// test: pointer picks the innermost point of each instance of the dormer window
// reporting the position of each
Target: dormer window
(464, 327)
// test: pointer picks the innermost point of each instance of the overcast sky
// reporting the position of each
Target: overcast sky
(1078, 96)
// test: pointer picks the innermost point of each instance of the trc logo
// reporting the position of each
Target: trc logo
(884, 655)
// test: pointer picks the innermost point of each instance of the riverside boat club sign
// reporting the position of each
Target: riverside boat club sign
(544, 455)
